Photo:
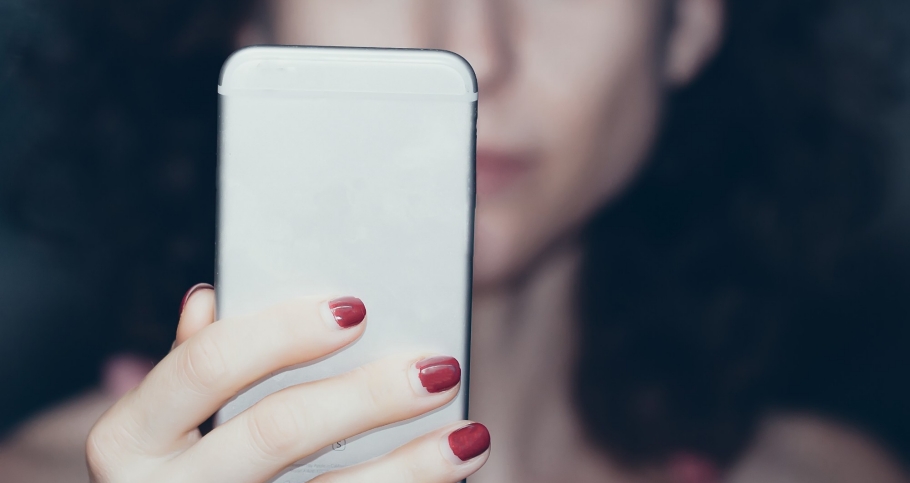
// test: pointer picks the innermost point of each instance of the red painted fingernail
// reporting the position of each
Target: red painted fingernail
(470, 441)
(348, 311)
(438, 374)
(191, 291)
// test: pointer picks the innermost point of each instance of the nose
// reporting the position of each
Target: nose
(479, 31)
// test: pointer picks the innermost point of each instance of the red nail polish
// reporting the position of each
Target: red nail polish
(470, 441)
(348, 311)
(191, 291)
(438, 374)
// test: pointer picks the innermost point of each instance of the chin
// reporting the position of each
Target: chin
(512, 240)
(497, 253)
(489, 271)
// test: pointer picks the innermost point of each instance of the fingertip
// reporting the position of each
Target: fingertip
(343, 313)
(428, 458)
(192, 291)
(435, 374)
(467, 444)
(196, 311)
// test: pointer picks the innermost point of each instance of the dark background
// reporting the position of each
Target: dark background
(107, 168)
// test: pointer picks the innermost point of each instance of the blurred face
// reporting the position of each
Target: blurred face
(569, 99)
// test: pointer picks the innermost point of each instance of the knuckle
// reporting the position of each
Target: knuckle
(98, 452)
(380, 399)
(104, 448)
(203, 365)
(275, 430)
(290, 331)
(289, 321)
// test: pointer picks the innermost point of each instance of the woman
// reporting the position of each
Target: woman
(657, 224)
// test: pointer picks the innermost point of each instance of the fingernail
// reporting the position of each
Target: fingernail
(191, 291)
(470, 442)
(348, 311)
(438, 374)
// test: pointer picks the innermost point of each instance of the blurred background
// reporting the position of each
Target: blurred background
(108, 128)
(107, 167)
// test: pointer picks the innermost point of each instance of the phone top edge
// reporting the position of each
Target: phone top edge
(335, 70)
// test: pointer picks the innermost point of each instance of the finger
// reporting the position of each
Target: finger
(299, 421)
(447, 455)
(200, 375)
(197, 311)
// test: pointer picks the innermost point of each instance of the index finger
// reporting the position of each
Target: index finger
(203, 373)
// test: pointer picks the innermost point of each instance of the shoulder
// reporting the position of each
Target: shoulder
(51, 447)
(807, 449)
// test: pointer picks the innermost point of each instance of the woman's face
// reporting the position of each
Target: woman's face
(570, 95)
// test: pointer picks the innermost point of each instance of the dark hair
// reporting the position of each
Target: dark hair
(108, 153)
(739, 274)
(720, 279)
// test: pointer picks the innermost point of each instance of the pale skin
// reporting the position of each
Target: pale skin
(150, 434)
(570, 101)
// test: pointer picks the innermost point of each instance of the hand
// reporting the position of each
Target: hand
(151, 434)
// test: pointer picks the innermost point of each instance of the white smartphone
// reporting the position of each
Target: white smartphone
(349, 171)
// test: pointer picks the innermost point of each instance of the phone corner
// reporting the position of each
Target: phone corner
(460, 65)
(234, 61)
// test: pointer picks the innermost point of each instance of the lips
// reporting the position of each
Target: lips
(497, 171)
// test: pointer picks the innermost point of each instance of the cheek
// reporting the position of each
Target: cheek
(601, 110)
(592, 156)
(590, 128)
(584, 163)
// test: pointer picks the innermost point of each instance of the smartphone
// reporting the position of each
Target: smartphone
(350, 171)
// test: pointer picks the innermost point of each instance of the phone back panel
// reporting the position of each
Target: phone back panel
(350, 172)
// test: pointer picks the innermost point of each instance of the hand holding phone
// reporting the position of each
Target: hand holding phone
(346, 196)
(150, 435)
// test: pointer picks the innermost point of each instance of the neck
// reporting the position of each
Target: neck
(523, 361)
(526, 313)
(522, 372)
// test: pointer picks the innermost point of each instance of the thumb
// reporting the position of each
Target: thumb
(197, 311)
